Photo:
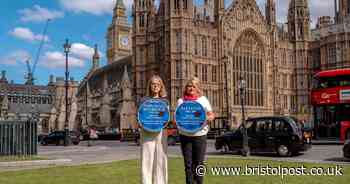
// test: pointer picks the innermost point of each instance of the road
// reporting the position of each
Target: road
(107, 151)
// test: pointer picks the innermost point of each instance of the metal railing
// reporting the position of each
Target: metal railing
(18, 138)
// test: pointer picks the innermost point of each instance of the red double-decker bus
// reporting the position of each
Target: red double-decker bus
(330, 98)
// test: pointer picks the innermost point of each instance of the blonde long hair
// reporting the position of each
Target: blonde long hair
(162, 92)
(196, 83)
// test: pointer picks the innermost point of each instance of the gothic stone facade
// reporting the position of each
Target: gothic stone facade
(220, 45)
(178, 40)
(20, 101)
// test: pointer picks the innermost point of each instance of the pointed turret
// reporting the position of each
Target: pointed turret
(126, 85)
(95, 59)
(342, 9)
(271, 12)
(126, 80)
(299, 20)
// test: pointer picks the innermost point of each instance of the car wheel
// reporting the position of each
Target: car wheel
(225, 148)
(43, 143)
(76, 143)
(283, 150)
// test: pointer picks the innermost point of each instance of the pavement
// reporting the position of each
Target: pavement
(109, 151)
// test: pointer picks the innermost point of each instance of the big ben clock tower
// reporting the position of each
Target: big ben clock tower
(119, 34)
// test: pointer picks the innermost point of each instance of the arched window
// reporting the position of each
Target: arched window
(204, 46)
(248, 62)
(195, 44)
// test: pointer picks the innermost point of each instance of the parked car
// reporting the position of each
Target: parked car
(57, 138)
(279, 134)
(346, 149)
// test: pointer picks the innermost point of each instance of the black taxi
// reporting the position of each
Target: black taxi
(280, 134)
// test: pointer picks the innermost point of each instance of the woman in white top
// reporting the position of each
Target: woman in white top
(194, 145)
(154, 159)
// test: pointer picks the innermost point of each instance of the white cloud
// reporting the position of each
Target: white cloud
(96, 7)
(39, 14)
(83, 51)
(26, 34)
(57, 59)
(15, 57)
(79, 54)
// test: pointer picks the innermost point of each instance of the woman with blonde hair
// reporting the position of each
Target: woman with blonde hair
(154, 166)
(193, 145)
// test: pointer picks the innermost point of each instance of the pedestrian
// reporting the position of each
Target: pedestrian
(154, 159)
(93, 135)
(194, 145)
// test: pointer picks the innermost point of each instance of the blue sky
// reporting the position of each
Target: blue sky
(83, 22)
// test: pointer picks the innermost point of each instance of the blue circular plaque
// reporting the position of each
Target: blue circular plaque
(190, 116)
(153, 114)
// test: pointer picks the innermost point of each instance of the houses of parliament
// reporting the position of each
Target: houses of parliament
(220, 44)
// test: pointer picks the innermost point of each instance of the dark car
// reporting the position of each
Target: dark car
(278, 134)
(57, 138)
(346, 149)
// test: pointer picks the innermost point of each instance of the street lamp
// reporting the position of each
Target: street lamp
(66, 47)
(225, 60)
(242, 87)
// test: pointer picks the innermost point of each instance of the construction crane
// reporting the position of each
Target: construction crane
(29, 76)
(31, 69)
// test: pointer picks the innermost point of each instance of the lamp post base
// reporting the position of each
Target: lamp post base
(245, 152)
(66, 140)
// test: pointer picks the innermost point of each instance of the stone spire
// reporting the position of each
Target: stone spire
(95, 59)
(126, 80)
(299, 20)
(126, 85)
(271, 12)
(342, 8)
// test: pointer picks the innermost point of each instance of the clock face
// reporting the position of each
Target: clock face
(124, 40)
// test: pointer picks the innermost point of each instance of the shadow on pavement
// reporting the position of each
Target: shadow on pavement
(338, 159)
(261, 154)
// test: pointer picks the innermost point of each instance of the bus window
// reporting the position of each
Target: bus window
(344, 81)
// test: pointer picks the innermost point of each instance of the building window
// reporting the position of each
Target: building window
(177, 4)
(204, 72)
(178, 41)
(177, 92)
(143, 4)
(332, 55)
(186, 41)
(214, 48)
(178, 69)
(196, 70)
(195, 44)
(204, 46)
(186, 69)
(285, 85)
(214, 74)
(248, 56)
(142, 20)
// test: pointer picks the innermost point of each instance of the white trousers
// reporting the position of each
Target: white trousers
(154, 158)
